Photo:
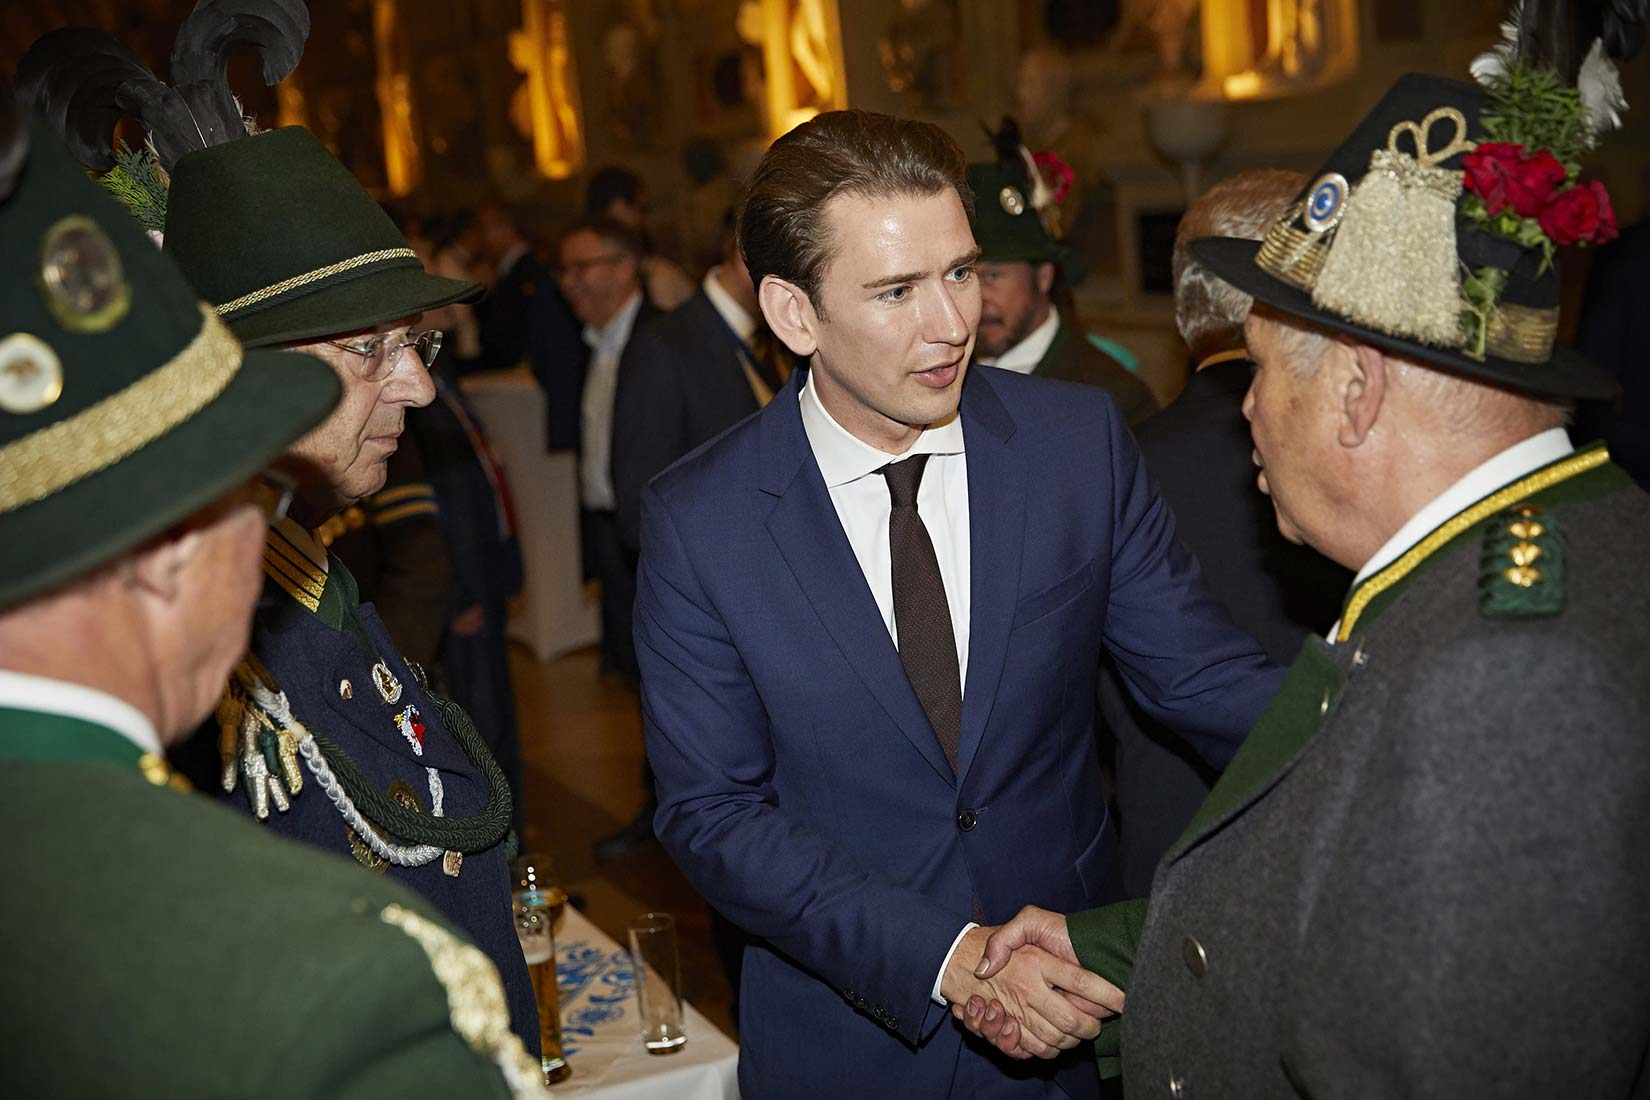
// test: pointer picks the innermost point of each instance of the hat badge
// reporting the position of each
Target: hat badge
(31, 376)
(1012, 200)
(1325, 202)
(82, 275)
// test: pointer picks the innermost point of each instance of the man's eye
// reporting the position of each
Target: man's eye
(962, 274)
(895, 294)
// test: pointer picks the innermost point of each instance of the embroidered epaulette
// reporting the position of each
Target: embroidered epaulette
(1521, 572)
(401, 502)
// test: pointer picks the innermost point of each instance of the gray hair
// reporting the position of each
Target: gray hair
(1208, 311)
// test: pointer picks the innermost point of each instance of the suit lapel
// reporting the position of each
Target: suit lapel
(996, 535)
(805, 528)
(1303, 705)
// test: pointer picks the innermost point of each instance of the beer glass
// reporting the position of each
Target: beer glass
(658, 964)
(537, 871)
(535, 924)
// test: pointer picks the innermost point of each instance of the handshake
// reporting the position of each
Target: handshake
(1020, 987)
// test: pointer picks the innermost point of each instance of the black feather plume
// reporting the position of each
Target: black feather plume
(1622, 26)
(275, 29)
(85, 81)
(1557, 34)
(14, 140)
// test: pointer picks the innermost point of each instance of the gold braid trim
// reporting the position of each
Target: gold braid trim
(475, 998)
(247, 300)
(55, 457)
(1495, 502)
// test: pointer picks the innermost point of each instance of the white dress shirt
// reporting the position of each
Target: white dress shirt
(20, 691)
(596, 462)
(860, 495)
(1024, 356)
(736, 315)
(1505, 468)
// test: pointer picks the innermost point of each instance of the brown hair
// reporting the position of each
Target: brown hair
(781, 229)
(615, 233)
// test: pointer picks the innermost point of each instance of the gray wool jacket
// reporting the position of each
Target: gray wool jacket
(1427, 874)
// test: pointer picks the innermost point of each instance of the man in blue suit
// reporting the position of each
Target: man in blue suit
(869, 624)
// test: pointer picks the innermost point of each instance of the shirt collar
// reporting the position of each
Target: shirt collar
(1511, 464)
(613, 336)
(1024, 356)
(39, 693)
(511, 255)
(737, 317)
(843, 457)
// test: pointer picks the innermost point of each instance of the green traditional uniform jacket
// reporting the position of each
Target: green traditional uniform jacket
(1426, 871)
(160, 945)
(1071, 357)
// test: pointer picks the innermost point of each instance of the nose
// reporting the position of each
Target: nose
(410, 382)
(952, 314)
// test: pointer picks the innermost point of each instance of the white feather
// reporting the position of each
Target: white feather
(1599, 82)
(1493, 64)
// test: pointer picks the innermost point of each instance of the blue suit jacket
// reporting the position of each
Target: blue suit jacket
(800, 785)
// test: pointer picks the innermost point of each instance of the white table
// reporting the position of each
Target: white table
(602, 1039)
(556, 612)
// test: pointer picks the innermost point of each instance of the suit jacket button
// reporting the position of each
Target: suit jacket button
(1197, 960)
(893, 1024)
(1177, 1086)
(967, 820)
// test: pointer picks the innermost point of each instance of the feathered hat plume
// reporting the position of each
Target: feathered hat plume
(14, 141)
(85, 81)
(1580, 42)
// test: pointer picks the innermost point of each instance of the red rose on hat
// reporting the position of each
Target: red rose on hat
(1581, 215)
(1503, 176)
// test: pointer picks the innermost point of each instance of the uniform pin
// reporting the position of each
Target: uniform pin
(451, 863)
(412, 728)
(31, 377)
(346, 690)
(81, 273)
(389, 688)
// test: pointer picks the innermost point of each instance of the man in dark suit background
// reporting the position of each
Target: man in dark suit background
(1024, 272)
(818, 586)
(1198, 452)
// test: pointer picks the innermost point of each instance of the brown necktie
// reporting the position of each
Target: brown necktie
(922, 617)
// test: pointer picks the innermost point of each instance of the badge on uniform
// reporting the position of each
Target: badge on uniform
(412, 728)
(389, 688)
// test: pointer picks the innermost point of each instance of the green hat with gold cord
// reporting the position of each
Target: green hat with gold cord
(125, 404)
(268, 226)
(1016, 210)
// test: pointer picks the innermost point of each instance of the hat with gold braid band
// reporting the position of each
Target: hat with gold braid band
(268, 226)
(1433, 231)
(125, 404)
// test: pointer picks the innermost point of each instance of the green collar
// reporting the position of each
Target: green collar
(331, 594)
(1578, 476)
(38, 736)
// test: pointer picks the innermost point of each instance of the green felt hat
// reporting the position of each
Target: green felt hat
(125, 404)
(1007, 228)
(278, 235)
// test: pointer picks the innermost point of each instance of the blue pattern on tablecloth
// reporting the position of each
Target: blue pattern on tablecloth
(596, 986)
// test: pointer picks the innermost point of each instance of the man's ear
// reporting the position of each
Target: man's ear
(789, 314)
(157, 569)
(1043, 275)
(1360, 382)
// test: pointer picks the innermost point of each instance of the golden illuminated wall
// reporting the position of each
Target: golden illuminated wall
(1261, 49)
(802, 61)
(542, 52)
(402, 166)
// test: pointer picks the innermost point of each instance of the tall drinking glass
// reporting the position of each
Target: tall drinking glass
(537, 871)
(535, 928)
(658, 964)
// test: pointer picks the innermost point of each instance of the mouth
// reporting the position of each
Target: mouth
(1260, 477)
(941, 376)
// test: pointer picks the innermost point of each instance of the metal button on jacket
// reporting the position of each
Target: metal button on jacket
(967, 820)
(1197, 960)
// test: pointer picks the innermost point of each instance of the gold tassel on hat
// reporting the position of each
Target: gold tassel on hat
(1393, 265)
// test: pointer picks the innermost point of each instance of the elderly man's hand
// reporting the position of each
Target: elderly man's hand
(990, 1017)
(1055, 1003)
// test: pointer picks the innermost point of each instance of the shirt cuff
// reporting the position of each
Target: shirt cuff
(940, 977)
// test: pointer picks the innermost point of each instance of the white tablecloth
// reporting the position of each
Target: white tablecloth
(556, 612)
(603, 1041)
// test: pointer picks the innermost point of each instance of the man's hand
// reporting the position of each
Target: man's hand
(989, 1018)
(468, 622)
(1057, 1004)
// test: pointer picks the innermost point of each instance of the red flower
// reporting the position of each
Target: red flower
(1056, 173)
(1581, 215)
(1502, 175)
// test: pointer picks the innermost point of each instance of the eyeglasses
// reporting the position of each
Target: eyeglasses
(380, 354)
(579, 267)
(272, 493)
